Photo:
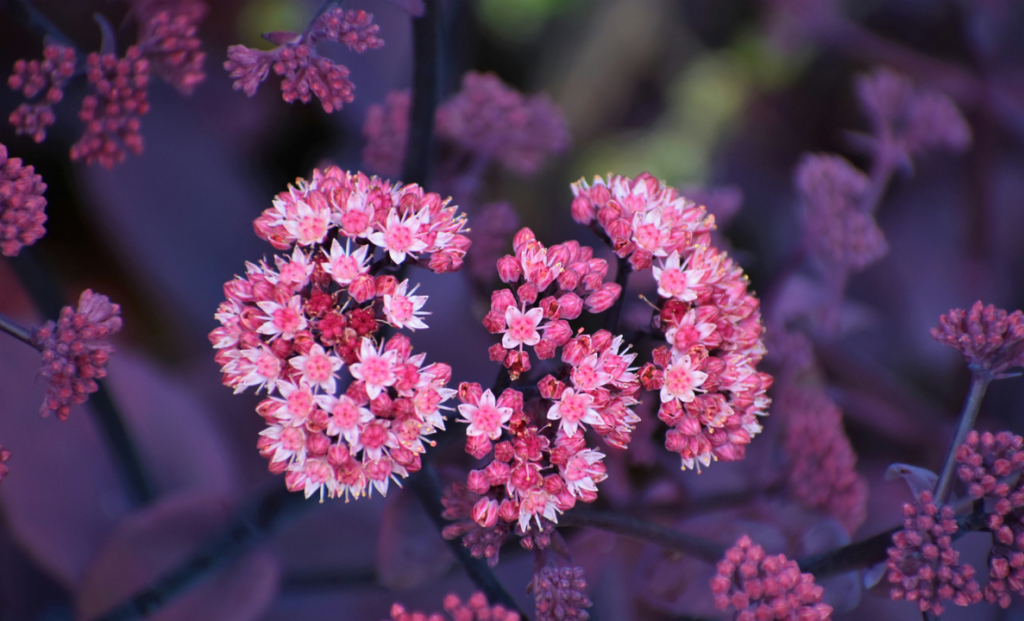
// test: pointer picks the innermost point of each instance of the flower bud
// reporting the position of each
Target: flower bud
(363, 288)
(603, 298)
(570, 306)
(477, 482)
(528, 293)
(497, 472)
(485, 512)
(508, 511)
(583, 210)
(524, 236)
(494, 321)
(496, 352)
(558, 332)
(501, 300)
(385, 285)
(545, 349)
(470, 392)
(509, 270)
(478, 446)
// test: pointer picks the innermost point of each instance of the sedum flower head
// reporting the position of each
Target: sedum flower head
(300, 325)
(822, 468)
(836, 230)
(475, 608)
(386, 130)
(560, 594)
(42, 82)
(923, 567)
(766, 588)
(304, 72)
(21, 205)
(75, 351)
(990, 339)
(111, 111)
(167, 37)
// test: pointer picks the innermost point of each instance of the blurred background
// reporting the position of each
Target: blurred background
(711, 94)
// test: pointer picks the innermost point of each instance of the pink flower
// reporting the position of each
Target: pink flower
(681, 379)
(403, 310)
(306, 73)
(990, 339)
(318, 369)
(386, 130)
(766, 587)
(264, 369)
(675, 281)
(47, 76)
(400, 237)
(375, 368)
(75, 351)
(112, 110)
(21, 205)
(583, 471)
(522, 327)
(283, 320)
(344, 265)
(347, 418)
(485, 417)
(560, 594)
(574, 408)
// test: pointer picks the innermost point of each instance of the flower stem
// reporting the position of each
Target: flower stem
(424, 98)
(640, 530)
(611, 320)
(17, 330)
(40, 286)
(252, 526)
(426, 486)
(979, 383)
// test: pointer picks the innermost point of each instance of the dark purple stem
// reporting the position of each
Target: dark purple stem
(424, 98)
(979, 383)
(17, 330)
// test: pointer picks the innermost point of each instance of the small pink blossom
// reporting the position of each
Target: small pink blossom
(400, 237)
(675, 281)
(375, 368)
(475, 608)
(167, 37)
(485, 417)
(522, 327)
(682, 379)
(574, 408)
(347, 417)
(48, 76)
(283, 320)
(344, 265)
(318, 369)
(403, 309)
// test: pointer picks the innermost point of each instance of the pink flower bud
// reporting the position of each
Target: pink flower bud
(510, 398)
(485, 512)
(601, 340)
(497, 472)
(603, 298)
(558, 332)
(496, 352)
(470, 392)
(570, 305)
(317, 443)
(574, 352)
(524, 236)
(600, 195)
(494, 321)
(545, 349)
(559, 254)
(569, 279)
(608, 214)
(583, 210)
(517, 362)
(477, 482)
(478, 446)
(550, 306)
(363, 288)
(501, 300)
(504, 452)
(550, 388)
(640, 259)
(619, 229)
(528, 293)
(399, 344)
(509, 270)
(508, 511)
(386, 285)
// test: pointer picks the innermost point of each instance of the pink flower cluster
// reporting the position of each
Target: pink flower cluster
(923, 567)
(75, 351)
(910, 120)
(822, 469)
(642, 218)
(560, 594)
(4, 456)
(765, 588)
(304, 72)
(544, 466)
(552, 286)
(475, 608)
(837, 231)
(33, 77)
(21, 205)
(111, 111)
(990, 339)
(988, 465)
(290, 328)
(167, 37)
(486, 118)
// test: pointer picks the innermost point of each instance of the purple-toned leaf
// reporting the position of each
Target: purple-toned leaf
(158, 538)
(917, 479)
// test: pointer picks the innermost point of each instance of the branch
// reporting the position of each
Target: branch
(251, 527)
(979, 383)
(424, 98)
(640, 530)
(426, 486)
(40, 286)
(17, 330)
(874, 550)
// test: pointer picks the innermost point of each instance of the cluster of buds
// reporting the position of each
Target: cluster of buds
(765, 588)
(34, 77)
(111, 111)
(304, 72)
(990, 339)
(990, 466)
(76, 352)
(544, 466)
(167, 37)
(560, 594)
(923, 567)
(21, 205)
(290, 328)
(4, 456)
(486, 120)
(475, 608)
(551, 286)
